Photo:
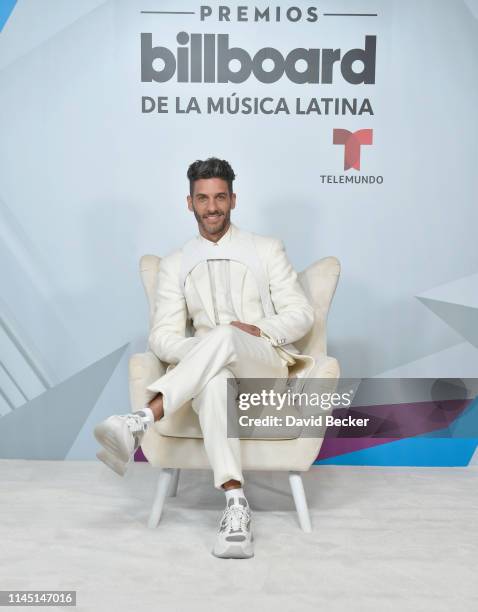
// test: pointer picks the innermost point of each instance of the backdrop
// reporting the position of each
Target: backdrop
(351, 127)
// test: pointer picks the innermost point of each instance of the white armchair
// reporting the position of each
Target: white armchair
(176, 443)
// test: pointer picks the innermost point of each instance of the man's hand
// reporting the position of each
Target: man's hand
(250, 329)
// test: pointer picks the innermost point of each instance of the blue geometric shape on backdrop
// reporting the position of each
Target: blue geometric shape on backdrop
(6, 7)
(47, 426)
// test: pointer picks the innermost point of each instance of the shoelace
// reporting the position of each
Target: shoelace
(235, 518)
(134, 423)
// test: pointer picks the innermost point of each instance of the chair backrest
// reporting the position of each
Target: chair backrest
(319, 281)
(149, 270)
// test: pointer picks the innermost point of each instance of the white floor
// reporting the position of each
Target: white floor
(383, 539)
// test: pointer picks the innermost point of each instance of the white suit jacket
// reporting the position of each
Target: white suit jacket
(292, 316)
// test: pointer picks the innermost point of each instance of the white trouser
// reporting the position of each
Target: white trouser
(201, 376)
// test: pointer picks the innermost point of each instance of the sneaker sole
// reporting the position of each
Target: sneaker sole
(104, 437)
(120, 467)
(235, 551)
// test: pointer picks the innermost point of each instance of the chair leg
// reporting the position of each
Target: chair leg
(173, 487)
(164, 482)
(300, 501)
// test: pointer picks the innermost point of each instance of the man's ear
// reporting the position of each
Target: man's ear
(233, 200)
(190, 202)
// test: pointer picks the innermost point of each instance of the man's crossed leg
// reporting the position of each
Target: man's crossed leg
(201, 376)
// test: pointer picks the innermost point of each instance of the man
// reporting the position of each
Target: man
(247, 308)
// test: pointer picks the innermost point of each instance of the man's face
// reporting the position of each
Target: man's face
(212, 204)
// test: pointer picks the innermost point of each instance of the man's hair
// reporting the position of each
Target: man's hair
(212, 167)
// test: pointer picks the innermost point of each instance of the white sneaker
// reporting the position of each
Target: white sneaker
(234, 539)
(121, 436)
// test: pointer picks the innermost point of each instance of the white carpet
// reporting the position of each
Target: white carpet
(383, 539)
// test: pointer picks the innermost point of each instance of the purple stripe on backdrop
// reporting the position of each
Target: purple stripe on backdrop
(396, 421)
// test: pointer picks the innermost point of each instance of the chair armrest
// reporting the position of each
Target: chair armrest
(323, 378)
(144, 369)
(325, 367)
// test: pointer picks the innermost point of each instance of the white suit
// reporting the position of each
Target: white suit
(245, 277)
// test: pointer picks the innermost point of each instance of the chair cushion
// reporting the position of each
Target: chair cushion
(184, 423)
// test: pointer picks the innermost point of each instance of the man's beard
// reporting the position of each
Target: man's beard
(219, 227)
